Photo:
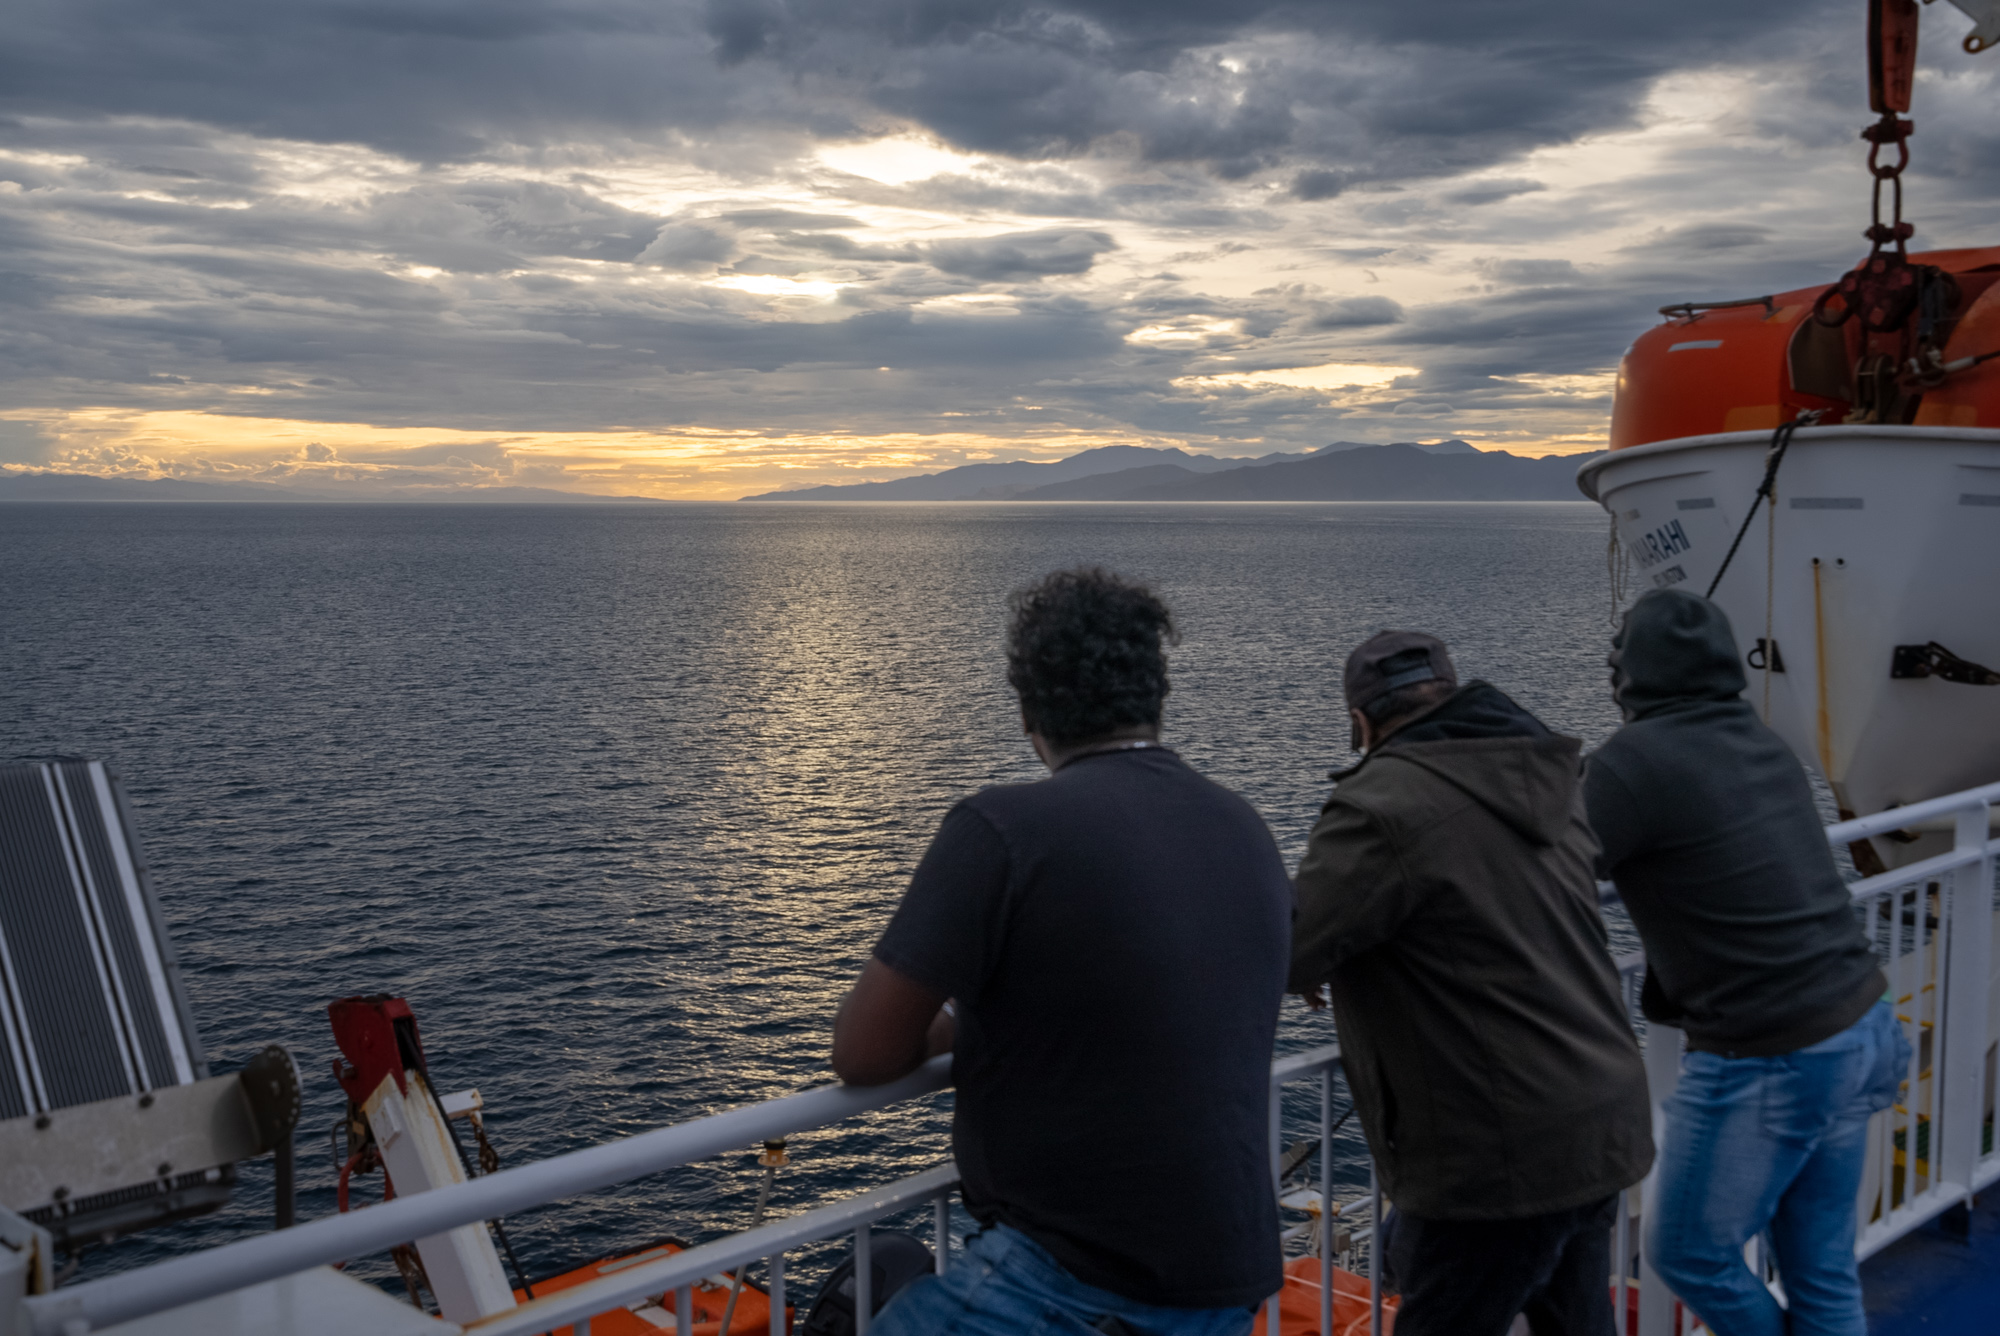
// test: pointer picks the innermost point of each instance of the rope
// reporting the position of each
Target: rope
(465, 1163)
(1781, 441)
(756, 1219)
(1618, 564)
(1770, 597)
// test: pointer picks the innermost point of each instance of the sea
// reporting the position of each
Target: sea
(619, 797)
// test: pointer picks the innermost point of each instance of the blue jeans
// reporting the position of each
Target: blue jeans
(1777, 1144)
(1007, 1285)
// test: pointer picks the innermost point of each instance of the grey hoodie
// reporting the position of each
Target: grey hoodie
(1708, 828)
(1448, 900)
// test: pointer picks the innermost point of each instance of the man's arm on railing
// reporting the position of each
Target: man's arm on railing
(888, 1026)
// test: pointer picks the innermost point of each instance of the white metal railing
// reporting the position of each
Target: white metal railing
(170, 1284)
(1931, 922)
(1322, 1062)
(339, 1238)
(1933, 925)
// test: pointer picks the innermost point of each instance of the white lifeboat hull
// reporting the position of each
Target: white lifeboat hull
(1884, 536)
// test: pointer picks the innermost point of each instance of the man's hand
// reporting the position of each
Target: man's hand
(1314, 998)
(887, 1027)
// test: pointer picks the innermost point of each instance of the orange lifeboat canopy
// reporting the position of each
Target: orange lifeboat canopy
(1752, 365)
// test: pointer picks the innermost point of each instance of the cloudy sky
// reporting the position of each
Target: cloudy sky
(699, 248)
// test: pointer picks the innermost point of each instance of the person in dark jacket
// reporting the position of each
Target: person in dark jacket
(1752, 947)
(1447, 897)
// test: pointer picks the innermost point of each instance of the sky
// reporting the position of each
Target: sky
(706, 248)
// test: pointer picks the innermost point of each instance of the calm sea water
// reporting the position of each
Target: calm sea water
(620, 797)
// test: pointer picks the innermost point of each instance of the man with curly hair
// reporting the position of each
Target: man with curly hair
(1103, 952)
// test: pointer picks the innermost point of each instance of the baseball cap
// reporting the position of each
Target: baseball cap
(1395, 659)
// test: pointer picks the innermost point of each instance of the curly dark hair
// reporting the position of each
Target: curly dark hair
(1085, 652)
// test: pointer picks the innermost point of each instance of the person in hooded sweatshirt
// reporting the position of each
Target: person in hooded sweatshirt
(1448, 899)
(1753, 949)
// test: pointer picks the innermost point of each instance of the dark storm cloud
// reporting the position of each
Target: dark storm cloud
(1355, 91)
(430, 78)
(1021, 255)
(516, 243)
(1385, 88)
(1355, 312)
(1697, 239)
(1490, 192)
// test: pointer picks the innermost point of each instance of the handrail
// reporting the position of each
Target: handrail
(233, 1266)
(183, 1280)
(1895, 818)
(683, 1268)
(1294, 1065)
(1935, 866)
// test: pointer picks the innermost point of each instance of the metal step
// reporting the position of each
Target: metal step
(91, 1006)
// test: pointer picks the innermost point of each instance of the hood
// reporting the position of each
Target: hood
(1675, 648)
(1499, 755)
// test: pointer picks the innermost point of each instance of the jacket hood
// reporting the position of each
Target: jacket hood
(1499, 755)
(1675, 648)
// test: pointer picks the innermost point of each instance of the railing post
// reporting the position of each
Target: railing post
(1274, 1111)
(1968, 955)
(1621, 1254)
(778, 1294)
(941, 1228)
(864, 1279)
(684, 1311)
(1376, 1236)
(1663, 1073)
(1326, 1199)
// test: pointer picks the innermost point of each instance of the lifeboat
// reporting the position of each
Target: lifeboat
(1298, 1304)
(1825, 464)
(709, 1300)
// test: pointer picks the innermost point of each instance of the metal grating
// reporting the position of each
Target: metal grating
(90, 1006)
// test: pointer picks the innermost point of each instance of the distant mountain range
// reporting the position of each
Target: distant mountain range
(16, 486)
(1344, 471)
(1002, 482)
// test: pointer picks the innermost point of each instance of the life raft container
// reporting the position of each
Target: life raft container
(655, 1313)
(1751, 365)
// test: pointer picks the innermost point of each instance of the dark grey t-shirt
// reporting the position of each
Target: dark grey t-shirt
(1117, 937)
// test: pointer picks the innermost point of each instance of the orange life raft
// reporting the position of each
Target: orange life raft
(655, 1313)
(1751, 365)
(1298, 1303)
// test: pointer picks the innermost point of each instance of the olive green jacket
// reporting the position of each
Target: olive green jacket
(1448, 899)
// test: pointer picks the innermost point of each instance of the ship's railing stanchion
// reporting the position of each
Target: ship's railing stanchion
(1663, 1073)
(1318, 1062)
(1621, 1252)
(941, 1229)
(1326, 1198)
(1275, 1148)
(1375, 1239)
(1967, 988)
(777, 1288)
(684, 1311)
(864, 1279)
